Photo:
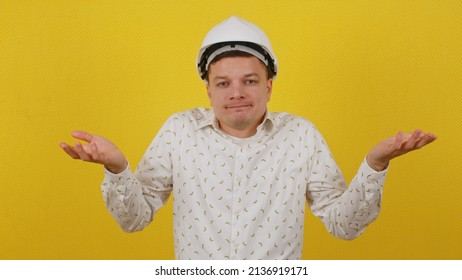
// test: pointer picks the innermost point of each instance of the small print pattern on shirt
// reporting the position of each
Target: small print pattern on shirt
(242, 198)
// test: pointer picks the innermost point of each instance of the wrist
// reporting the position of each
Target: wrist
(377, 165)
(116, 169)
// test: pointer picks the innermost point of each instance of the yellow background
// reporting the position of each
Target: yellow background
(360, 70)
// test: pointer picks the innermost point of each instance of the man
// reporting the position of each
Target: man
(238, 173)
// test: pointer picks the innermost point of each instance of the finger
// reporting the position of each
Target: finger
(87, 149)
(412, 140)
(398, 141)
(94, 152)
(69, 150)
(82, 135)
(83, 155)
(425, 140)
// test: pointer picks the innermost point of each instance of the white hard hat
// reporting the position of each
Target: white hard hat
(235, 34)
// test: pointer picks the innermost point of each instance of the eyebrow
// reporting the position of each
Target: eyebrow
(251, 74)
(245, 76)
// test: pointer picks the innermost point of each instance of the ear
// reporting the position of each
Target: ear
(269, 88)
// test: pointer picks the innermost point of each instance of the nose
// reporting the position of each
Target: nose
(237, 92)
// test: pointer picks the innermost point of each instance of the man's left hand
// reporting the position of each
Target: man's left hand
(396, 146)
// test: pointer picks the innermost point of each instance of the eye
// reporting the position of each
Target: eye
(250, 82)
(222, 84)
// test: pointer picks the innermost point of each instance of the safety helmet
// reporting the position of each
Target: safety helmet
(235, 34)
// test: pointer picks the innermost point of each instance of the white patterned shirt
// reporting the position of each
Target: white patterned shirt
(242, 198)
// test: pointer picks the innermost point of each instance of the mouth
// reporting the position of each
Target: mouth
(238, 106)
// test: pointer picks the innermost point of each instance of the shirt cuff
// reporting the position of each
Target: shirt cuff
(372, 170)
(371, 176)
(112, 176)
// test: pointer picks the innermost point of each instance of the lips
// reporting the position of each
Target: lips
(237, 106)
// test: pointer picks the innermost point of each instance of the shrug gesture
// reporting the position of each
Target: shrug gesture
(398, 145)
(98, 150)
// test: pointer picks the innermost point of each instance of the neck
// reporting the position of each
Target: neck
(238, 132)
(244, 131)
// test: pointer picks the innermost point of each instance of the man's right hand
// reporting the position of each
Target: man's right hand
(98, 150)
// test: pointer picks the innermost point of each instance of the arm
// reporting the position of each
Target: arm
(131, 199)
(347, 211)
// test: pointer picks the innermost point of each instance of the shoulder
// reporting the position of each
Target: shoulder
(286, 120)
(192, 118)
(303, 130)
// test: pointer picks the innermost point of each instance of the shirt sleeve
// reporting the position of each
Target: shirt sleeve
(134, 198)
(345, 211)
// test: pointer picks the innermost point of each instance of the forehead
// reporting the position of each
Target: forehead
(237, 66)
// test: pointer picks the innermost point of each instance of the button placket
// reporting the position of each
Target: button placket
(238, 183)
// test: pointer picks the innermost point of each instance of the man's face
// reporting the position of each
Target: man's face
(239, 91)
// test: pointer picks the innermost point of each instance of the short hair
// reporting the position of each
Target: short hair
(237, 53)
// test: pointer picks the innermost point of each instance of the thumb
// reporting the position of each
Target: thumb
(82, 135)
